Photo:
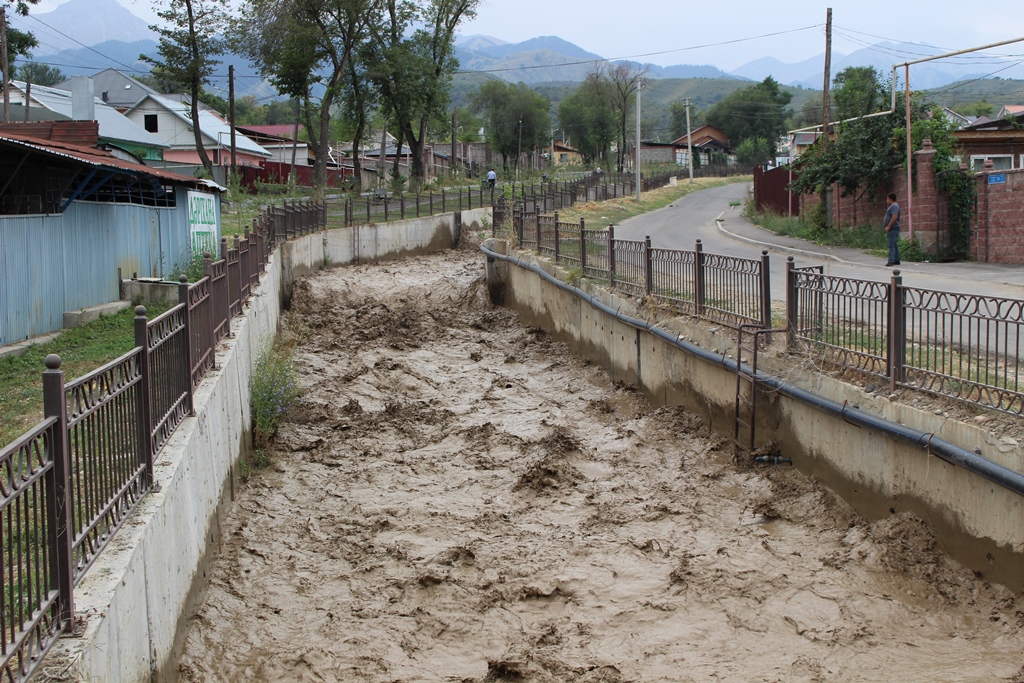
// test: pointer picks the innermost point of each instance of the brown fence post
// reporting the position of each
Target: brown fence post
(211, 341)
(698, 276)
(792, 301)
(58, 485)
(556, 238)
(611, 256)
(183, 287)
(583, 246)
(143, 416)
(897, 331)
(648, 267)
(766, 291)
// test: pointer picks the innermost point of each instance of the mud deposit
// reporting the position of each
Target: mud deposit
(460, 499)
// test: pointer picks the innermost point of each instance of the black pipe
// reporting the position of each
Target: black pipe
(951, 453)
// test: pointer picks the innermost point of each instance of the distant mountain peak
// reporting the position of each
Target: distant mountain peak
(89, 22)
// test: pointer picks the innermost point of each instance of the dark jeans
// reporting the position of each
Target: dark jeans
(894, 246)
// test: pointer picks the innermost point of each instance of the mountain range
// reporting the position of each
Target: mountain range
(85, 36)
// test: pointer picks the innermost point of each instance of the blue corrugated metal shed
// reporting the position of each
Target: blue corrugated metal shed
(57, 262)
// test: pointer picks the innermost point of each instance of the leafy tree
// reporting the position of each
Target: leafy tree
(587, 113)
(809, 114)
(189, 44)
(755, 152)
(469, 124)
(858, 91)
(757, 111)
(13, 44)
(304, 47)
(626, 79)
(517, 117)
(677, 114)
(413, 62)
(39, 74)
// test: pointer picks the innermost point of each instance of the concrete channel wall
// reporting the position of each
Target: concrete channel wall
(134, 603)
(979, 523)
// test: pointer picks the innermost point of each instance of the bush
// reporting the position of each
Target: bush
(272, 389)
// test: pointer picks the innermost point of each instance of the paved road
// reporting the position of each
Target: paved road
(694, 217)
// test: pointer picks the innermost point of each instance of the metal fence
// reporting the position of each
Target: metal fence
(68, 484)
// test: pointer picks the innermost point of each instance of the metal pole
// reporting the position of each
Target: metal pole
(828, 69)
(910, 187)
(689, 140)
(231, 108)
(637, 170)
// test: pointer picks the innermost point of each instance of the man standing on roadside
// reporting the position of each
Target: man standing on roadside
(891, 224)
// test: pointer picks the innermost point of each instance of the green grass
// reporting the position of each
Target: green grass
(869, 237)
(82, 350)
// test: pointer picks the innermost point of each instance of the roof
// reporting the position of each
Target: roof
(210, 124)
(120, 88)
(285, 131)
(102, 159)
(1011, 109)
(114, 125)
(705, 134)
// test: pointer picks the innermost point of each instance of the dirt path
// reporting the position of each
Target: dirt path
(460, 499)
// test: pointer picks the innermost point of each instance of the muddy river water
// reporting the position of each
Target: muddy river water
(458, 498)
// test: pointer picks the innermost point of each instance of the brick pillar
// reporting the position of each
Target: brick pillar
(925, 211)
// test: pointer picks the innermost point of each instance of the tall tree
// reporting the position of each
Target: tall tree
(190, 40)
(588, 114)
(626, 79)
(413, 63)
(857, 91)
(39, 74)
(305, 48)
(516, 117)
(758, 111)
(13, 43)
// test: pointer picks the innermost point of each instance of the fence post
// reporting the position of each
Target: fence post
(211, 337)
(648, 267)
(792, 301)
(241, 299)
(538, 232)
(766, 291)
(401, 206)
(583, 246)
(444, 198)
(417, 204)
(698, 276)
(897, 331)
(611, 256)
(183, 288)
(556, 238)
(58, 504)
(143, 416)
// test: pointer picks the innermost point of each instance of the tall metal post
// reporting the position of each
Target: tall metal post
(791, 300)
(897, 331)
(766, 291)
(639, 91)
(58, 504)
(143, 416)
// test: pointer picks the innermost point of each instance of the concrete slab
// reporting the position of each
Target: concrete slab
(77, 318)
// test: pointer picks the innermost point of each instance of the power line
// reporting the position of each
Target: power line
(646, 54)
(32, 16)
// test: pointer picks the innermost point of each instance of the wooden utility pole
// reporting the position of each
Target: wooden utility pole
(231, 112)
(689, 139)
(455, 137)
(825, 104)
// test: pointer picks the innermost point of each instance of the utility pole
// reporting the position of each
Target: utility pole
(3, 62)
(689, 140)
(231, 113)
(637, 170)
(828, 77)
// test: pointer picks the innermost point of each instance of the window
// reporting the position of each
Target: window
(563, 158)
(151, 123)
(1000, 162)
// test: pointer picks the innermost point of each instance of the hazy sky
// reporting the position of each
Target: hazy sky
(615, 29)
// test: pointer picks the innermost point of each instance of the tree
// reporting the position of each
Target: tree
(305, 49)
(413, 62)
(588, 115)
(980, 108)
(13, 43)
(39, 74)
(809, 114)
(755, 152)
(189, 44)
(626, 79)
(677, 114)
(516, 117)
(757, 111)
(858, 91)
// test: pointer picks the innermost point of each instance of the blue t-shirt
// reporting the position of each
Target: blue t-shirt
(893, 210)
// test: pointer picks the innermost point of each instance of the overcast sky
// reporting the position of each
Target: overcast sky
(616, 29)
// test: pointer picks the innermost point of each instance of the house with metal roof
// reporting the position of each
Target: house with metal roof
(119, 133)
(171, 121)
(75, 219)
(999, 140)
(707, 142)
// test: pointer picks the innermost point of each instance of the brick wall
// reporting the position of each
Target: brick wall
(998, 235)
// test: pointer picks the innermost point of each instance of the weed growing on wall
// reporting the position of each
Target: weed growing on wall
(272, 389)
